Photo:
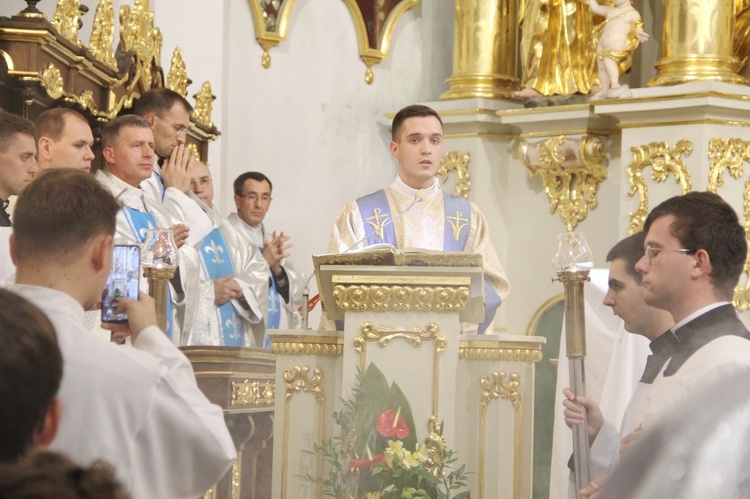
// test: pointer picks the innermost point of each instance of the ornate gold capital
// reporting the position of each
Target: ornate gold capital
(103, 34)
(177, 78)
(730, 155)
(456, 161)
(571, 169)
(401, 298)
(52, 81)
(252, 393)
(663, 161)
(204, 104)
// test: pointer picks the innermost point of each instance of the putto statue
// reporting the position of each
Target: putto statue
(618, 36)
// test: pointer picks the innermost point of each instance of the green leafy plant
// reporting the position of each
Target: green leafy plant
(376, 453)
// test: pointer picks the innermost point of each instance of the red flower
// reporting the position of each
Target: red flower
(390, 423)
(366, 463)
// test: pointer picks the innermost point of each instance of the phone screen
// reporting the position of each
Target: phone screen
(123, 281)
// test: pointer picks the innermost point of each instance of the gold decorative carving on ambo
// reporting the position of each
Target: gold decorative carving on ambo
(456, 161)
(435, 445)
(414, 336)
(297, 380)
(103, 34)
(270, 22)
(177, 78)
(204, 104)
(65, 20)
(571, 170)
(663, 161)
(52, 81)
(504, 354)
(374, 23)
(252, 393)
(730, 155)
(496, 386)
(401, 298)
(317, 349)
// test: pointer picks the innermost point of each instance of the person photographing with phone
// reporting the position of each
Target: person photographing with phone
(136, 406)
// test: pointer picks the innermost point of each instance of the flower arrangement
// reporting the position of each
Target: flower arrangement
(376, 453)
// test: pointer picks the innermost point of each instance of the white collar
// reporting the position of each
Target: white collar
(698, 313)
(400, 186)
(54, 300)
(130, 196)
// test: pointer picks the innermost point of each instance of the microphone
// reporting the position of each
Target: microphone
(418, 197)
(308, 304)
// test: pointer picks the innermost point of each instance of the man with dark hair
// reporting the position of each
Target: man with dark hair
(252, 197)
(30, 373)
(136, 406)
(17, 168)
(128, 149)
(437, 220)
(232, 279)
(168, 113)
(695, 252)
(625, 297)
(64, 140)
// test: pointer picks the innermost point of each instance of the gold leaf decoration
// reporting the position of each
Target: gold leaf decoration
(456, 161)
(66, 18)
(204, 105)
(52, 81)
(103, 34)
(177, 78)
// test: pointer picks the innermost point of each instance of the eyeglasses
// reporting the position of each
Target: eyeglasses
(203, 182)
(651, 252)
(265, 199)
(179, 129)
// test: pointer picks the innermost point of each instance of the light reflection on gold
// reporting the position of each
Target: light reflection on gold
(456, 161)
(103, 34)
(663, 161)
(270, 22)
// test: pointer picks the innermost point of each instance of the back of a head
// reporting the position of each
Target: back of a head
(630, 249)
(48, 475)
(12, 125)
(30, 373)
(159, 101)
(415, 110)
(703, 220)
(51, 123)
(59, 213)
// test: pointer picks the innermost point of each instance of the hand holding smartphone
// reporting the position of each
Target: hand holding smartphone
(123, 281)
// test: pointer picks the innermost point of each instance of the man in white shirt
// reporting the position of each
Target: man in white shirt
(252, 196)
(128, 149)
(30, 373)
(136, 406)
(64, 140)
(17, 168)
(234, 279)
(436, 220)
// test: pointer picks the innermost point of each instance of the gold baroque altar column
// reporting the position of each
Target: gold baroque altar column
(698, 43)
(484, 50)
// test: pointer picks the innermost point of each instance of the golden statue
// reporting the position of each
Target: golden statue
(616, 38)
(555, 48)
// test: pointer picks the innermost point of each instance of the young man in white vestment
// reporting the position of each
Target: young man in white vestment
(64, 140)
(234, 279)
(436, 220)
(626, 298)
(695, 251)
(17, 169)
(136, 406)
(252, 197)
(168, 113)
(128, 149)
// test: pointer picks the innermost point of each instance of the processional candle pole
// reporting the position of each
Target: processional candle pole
(573, 262)
(159, 257)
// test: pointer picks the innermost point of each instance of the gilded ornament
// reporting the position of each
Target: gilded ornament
(503, 354)
(270, 22)
(177, 78)
(66, 19)
(103, 34)
(496, 386)
(52, 81)
(385, 298)
(571, 170)
(663, 161)
(138, 34)
(730, 155)
(435, 445)
(252, 393)
(194, 151)
(204, 105)
(86, 101)
(456, 161)
(236, 477)
(374, 25)
(298, 380)
(210, 493)
(317, 349)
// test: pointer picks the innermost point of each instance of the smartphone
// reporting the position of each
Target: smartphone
(123, 281)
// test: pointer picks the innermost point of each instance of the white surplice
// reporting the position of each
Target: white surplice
(137, 407)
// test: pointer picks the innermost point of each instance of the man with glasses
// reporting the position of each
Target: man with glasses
(168, 113)
(234, 279)
(252, 196)
(695, 250)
